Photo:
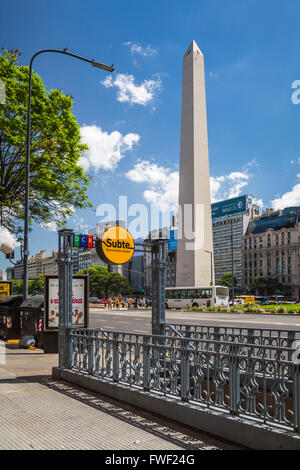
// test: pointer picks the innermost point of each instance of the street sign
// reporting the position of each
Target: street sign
(5, 288)
(116, 245)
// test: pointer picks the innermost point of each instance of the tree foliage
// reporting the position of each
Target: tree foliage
(226, 280)
(103, 283)
(57, 183)
(265, 285)
(35, 286)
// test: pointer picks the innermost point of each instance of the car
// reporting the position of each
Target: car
(103, 301)
(93, 300)
(148, 302)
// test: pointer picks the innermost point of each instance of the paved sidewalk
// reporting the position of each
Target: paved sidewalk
(37, 412)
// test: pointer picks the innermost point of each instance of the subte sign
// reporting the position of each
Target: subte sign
(116, 245)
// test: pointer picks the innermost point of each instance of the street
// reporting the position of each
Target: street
(139, 321)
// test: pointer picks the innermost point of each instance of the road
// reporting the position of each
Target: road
(139, 321)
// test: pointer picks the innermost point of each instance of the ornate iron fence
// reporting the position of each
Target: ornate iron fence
(251, 380)
(258, 336)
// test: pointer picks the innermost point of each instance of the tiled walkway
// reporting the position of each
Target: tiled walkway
(37, 412)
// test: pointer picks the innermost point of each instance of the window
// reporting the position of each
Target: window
(183, 294)
(221, 291)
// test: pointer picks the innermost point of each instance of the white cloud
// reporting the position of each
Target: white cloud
(129, 92)
(213, 75)
(228, 186)
(258, 202)
(162, 184)
(138, 49)
(290, 198)
(105, 150)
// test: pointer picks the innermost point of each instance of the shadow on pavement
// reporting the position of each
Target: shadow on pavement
(170, 431)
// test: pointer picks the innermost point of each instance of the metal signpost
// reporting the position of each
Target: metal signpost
(158, 262)
(120, 254)
(65, 270)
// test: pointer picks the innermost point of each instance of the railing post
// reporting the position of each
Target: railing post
(296, 384)
(290, 342)
(158, 262)
(146, 363)
(185, 370)
(216, 338)
(91, 351)
(296, 397)
(234, 380)
(115, 358)
(187, 331)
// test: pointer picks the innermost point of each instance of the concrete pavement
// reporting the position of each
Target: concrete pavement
(37, 412)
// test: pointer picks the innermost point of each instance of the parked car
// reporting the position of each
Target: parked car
(103, 301)
(93, 300)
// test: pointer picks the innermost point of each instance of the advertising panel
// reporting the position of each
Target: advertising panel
(5, 288)
(172, 240)
(79, 301)
(231, 206)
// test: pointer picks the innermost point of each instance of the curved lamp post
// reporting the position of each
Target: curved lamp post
(94, 63)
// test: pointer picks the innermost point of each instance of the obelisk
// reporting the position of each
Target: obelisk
(195, 245)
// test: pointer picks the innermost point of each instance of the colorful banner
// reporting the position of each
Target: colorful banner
(172, 240)
(83, 241)
(90, 241)
(77, 240)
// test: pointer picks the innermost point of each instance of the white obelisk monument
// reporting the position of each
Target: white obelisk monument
(195, 245)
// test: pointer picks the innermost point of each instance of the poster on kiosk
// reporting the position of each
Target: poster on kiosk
(79, 302)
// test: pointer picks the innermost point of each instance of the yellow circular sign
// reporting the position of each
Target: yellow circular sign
(117, 245)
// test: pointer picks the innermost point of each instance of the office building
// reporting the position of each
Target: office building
(230, 219)
(271, 249)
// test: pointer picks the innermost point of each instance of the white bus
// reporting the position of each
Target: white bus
(182, 297)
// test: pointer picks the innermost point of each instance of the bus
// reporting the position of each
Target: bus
(183, 297)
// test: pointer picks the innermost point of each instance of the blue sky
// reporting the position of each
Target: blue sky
(132, 119)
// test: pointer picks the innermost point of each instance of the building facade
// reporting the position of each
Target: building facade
(230, 219)
(271, 249)
(35, 265)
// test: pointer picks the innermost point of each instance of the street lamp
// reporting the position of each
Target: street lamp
(232, 264)
(211, 266)
(94, 63)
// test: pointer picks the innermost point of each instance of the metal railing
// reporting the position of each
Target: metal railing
(258, 336)
(255, 381)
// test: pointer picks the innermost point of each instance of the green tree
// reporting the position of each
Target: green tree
(226, 280)
(36, 286)
(57, 183)
(17, 287)
(266, 285)
(103, 283)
